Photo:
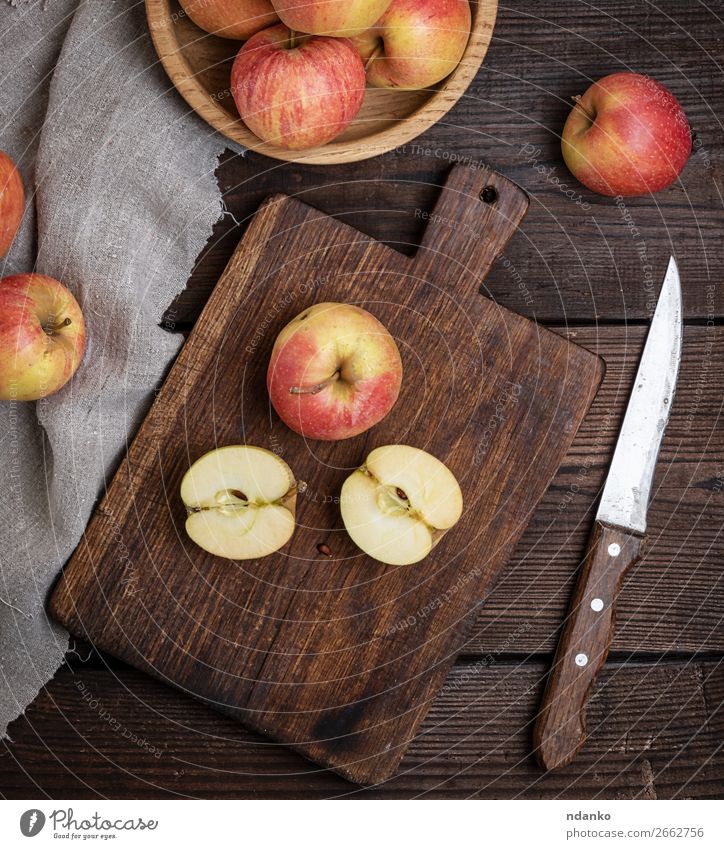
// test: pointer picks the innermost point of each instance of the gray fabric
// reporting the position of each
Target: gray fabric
(125, 198)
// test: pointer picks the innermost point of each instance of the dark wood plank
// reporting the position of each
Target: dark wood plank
(579, 256)
(655, 732)
(316, 656)
(672, 600)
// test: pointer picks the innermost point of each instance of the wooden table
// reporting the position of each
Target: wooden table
(591, 269)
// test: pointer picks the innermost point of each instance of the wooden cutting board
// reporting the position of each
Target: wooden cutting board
(338, 658)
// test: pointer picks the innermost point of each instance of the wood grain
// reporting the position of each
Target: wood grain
(199, 65)
(655, 731)
(332, 656)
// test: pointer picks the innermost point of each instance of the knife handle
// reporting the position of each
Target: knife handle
(560, 728)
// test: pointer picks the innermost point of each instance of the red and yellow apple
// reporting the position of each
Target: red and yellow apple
(235, 19)
(416, 43)
(12, 202)
(330, 17)
(42, 336)
(627, 135)
(399, 504)
(297, 91)
(335, 371)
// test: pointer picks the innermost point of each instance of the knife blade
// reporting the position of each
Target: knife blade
(617, 537)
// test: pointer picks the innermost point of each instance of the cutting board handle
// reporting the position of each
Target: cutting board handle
(477, 212)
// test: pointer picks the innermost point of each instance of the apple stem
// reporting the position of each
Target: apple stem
(292, 39)
(373, 55)
(55, 326)
(313, 390)
(576, 98)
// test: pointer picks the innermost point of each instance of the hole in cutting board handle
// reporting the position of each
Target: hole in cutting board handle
(489, 194)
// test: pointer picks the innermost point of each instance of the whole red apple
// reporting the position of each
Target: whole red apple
(418, 43)
(627, 135)
(334, 372)
(42, 336)
(297, 91)
(330, 17)
(12, 202)
(235, 19)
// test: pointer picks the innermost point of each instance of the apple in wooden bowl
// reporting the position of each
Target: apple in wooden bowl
(199, 65)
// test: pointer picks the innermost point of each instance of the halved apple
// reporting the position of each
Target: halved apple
(398, 505)
(240, 502)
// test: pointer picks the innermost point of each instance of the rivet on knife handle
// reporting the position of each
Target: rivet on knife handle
(560, 728)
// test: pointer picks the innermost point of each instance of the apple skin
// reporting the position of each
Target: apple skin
(627, 135)
(349, 350)
(12, 202)
(330, 17)
(234, 19)
(419, 43)
(298, 96)
(33, 361)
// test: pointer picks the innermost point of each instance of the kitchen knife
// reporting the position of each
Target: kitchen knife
(616, 539)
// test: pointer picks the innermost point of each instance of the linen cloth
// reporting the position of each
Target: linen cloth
(121, 199)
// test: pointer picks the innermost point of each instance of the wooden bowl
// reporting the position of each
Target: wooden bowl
(199, 65)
